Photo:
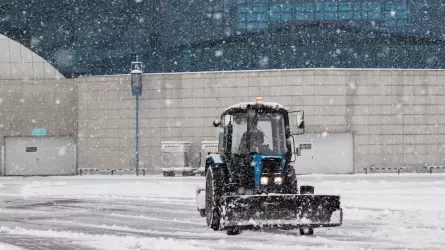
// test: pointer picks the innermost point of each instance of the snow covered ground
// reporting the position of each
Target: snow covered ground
(381, 211)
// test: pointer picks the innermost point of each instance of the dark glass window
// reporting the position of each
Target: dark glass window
(100, 37)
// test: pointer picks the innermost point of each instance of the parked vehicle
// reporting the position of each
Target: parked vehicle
(175, 158)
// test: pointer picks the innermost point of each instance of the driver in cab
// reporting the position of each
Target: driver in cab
(256, 142)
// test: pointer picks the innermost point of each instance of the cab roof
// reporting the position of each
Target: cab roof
(244, 105)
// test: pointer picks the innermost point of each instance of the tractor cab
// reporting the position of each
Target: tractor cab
(254, 139)
(254, 129)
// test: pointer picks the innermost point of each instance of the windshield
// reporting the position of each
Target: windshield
(239, 128)
(266, 134)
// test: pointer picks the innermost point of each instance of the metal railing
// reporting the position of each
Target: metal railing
(387, 169)
(82, 170)
(430, 168)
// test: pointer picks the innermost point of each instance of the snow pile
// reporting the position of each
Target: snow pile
(4, 246)
(114, 187)
(381, 211)
(107, 242)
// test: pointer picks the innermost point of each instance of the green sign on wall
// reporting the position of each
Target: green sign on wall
(38, 132)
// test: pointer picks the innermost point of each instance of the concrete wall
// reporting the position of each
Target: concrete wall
(33, 94)
(396, 116)
(18, 62)
(50, 104)
(167, 112)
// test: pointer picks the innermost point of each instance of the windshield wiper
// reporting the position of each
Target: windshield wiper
(255, 118)
(249, 129)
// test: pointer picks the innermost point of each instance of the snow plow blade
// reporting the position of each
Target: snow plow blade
(282, 211)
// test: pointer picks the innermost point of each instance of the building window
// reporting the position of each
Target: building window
(259, 14)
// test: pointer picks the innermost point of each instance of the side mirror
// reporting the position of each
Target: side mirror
(216, 123)
(297, 122)
(300, 120)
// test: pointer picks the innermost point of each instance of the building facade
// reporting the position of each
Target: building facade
(392, 118)
(383, 99)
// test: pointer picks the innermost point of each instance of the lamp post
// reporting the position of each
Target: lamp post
(136, 90)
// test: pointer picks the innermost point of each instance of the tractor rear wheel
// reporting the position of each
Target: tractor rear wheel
(212, 199)
(306, 231)
(307, 190)
(233, 231)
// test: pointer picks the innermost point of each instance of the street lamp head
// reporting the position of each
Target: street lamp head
(136, 78)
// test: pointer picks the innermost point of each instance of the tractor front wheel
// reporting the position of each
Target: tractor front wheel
(291, 180)
(202, 212)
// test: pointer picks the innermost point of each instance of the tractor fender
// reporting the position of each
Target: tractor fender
(214, 160)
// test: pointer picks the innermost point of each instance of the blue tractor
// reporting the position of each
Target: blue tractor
(250, 182)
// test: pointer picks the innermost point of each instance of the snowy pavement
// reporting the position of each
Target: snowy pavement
(381, 211)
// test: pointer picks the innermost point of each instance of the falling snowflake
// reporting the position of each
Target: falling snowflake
(218, 53)
(62, 151)
(264, 62)
(352, 85)
(217, 16)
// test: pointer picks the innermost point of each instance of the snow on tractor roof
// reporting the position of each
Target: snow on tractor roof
(243, 105)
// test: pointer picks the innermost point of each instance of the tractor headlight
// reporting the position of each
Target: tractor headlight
(264, 181)
(278, 180)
